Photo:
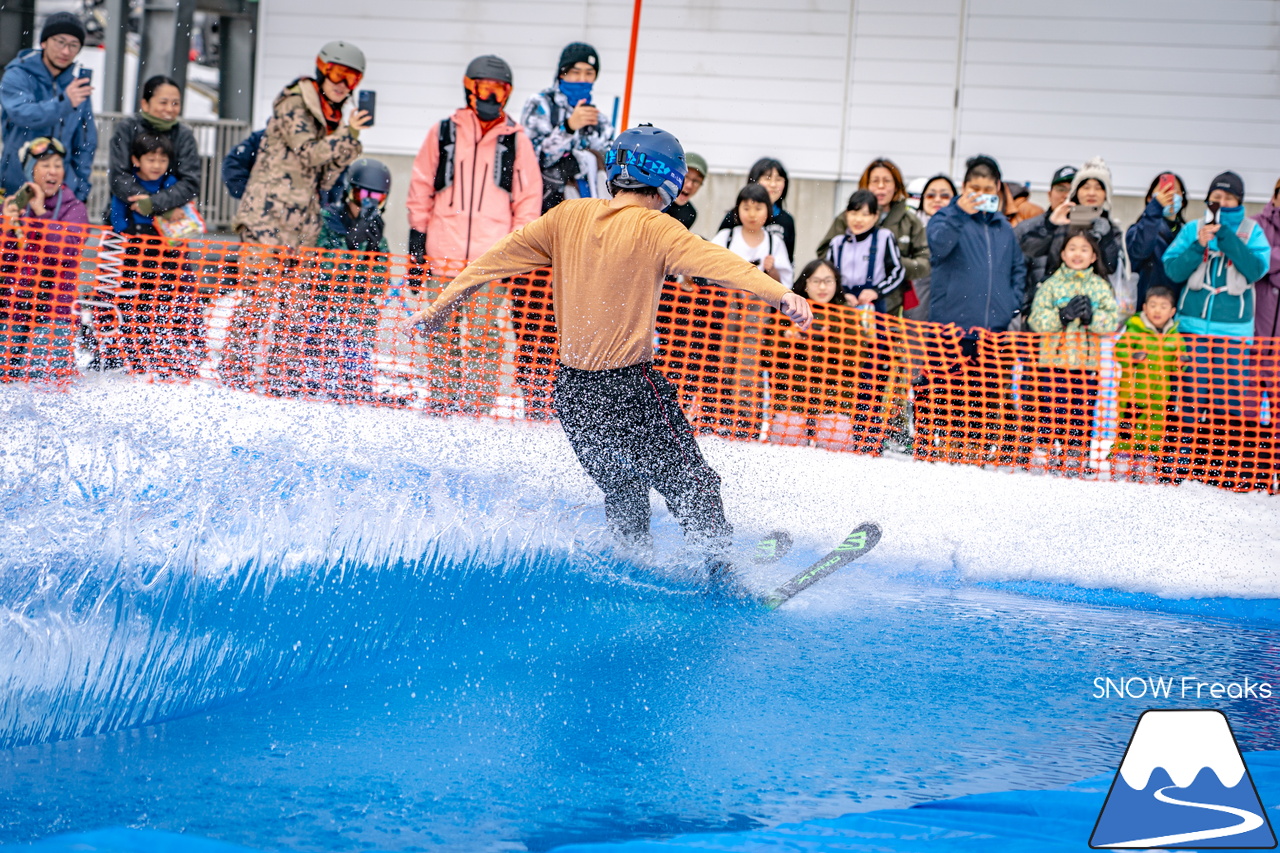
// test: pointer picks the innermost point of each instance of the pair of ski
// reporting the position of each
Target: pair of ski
(776, 545)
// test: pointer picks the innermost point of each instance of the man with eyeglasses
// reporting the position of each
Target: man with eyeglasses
(40, 95)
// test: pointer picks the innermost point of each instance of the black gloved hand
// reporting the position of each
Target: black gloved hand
(1078, 308)
(366, 234)
(417, 246)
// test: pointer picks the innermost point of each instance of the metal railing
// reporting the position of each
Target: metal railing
(214, 139)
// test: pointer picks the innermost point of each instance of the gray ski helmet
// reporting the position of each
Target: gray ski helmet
(369, 174)
(343, 53)
(489, 67)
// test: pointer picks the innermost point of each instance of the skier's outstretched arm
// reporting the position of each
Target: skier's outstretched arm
(690, 255)
(521, 251)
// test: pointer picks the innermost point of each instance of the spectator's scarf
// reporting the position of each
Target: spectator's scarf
(332, 112)
(159, 124)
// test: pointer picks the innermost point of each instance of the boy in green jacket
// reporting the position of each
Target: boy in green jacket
(1151, 354)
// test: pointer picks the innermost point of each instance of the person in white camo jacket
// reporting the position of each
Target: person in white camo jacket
(569, 133)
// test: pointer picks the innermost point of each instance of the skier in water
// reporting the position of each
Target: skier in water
(609, 259)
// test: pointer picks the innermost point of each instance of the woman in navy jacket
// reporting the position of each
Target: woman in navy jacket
(979, 272)
(1148, 238)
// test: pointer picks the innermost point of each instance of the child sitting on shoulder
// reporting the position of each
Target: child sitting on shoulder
(751, 240)
(1150, 353)
(867, 255)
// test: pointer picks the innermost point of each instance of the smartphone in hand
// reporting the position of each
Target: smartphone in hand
(85, 74)
(367, 101)
(23, 197)
(1212, 213)
(1167, 182)
(1084, 214)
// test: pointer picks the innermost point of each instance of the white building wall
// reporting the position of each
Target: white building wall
(825, 85)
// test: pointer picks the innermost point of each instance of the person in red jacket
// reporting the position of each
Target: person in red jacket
(475, 180)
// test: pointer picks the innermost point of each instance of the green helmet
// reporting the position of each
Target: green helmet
(343, 53)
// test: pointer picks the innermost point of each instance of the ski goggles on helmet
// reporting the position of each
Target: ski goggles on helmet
(360, 194)
(336, 73)
(41, 146)
(484, 88)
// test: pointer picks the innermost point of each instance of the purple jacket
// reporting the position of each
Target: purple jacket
(1266, 316)
(48, 241)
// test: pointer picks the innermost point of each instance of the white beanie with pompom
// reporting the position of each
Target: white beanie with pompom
(1096, 168)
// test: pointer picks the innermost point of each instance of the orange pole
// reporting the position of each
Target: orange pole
(631, 69)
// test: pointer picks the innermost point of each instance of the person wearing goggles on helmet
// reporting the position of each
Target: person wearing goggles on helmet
(610, 257)
(305, 148)
(475, 178)
(340, 355)
(42, 94)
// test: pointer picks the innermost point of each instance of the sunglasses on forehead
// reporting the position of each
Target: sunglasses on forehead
(336, 73)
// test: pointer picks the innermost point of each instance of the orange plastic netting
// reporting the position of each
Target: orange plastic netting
(323, 324)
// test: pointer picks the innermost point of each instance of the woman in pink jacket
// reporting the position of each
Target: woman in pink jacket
(476, 178)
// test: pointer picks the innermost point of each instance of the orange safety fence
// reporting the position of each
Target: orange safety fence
(324, 324)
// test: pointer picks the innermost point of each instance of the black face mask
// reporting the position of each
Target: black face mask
(488, 109)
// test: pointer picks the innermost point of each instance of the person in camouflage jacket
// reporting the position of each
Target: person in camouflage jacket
(305, 148)
(299, 156)
(569, 134)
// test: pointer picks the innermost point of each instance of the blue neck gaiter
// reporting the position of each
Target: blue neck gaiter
(1231, 217)
(576, 92)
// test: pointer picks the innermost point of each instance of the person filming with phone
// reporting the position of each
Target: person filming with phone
(44, 94)
(1088, 205)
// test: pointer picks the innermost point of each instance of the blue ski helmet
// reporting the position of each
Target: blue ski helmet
(645, 156)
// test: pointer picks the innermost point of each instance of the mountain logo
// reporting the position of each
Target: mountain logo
(1183, 784)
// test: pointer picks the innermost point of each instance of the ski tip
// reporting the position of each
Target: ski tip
(773, 547)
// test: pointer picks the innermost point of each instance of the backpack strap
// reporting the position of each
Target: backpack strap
(444, 165)
(504, 159)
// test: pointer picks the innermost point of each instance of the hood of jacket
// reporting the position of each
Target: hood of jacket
(468, 124)
(1139, 324)
(30, 63)
(309, 94)
(1269, 219)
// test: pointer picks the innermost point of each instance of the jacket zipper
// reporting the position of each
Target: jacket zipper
(986, 232)
(475, 156)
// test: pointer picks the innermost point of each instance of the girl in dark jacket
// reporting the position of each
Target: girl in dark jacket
(158, 113)
(883, 178)
(771, 175)
(1148, 238)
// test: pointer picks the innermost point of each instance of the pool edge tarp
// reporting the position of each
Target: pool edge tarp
(1050, 821)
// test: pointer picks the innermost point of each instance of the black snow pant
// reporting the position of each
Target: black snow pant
(629, 432)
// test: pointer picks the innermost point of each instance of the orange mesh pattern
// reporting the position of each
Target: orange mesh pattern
(321, 324)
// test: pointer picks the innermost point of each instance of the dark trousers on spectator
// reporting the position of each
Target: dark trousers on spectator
(628, 431)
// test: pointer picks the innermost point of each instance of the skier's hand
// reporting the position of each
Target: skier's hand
(797, 310)
(422, 322)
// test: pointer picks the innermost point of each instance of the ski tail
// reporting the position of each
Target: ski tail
(862, 539)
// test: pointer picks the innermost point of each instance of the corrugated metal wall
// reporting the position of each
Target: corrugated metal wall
(826, 85)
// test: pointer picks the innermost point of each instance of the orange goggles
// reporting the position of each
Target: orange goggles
(484, 88)
(339, 73)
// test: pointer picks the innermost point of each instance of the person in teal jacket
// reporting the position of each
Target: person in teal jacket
(1219, 261)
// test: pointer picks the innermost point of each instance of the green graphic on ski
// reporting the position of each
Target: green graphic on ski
(857, 543)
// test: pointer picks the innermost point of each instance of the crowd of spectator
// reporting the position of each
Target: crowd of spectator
(979, 255)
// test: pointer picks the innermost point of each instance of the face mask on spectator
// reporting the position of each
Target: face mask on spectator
(1171, 210)
(576, 92)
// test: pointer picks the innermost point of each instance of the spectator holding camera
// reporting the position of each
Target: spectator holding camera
(42, 96)
(1149, 237)
(1088, 204)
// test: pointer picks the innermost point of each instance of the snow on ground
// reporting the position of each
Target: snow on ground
(955, 522)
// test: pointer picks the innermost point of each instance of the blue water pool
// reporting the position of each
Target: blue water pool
(465, 695)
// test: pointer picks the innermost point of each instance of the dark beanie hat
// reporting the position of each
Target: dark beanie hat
(1229, 181)
(578, 52)
(62, 24)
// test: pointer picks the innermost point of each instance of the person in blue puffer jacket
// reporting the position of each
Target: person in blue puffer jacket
(1219, 261)
(979, 272)
(41, 95)
(1149, 237)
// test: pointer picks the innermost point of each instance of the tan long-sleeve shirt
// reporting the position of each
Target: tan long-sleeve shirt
(608, 261)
